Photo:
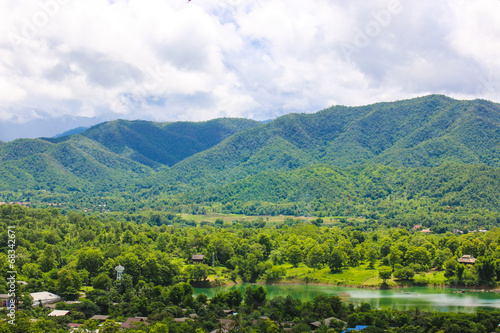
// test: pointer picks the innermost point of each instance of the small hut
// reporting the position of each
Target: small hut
(197, 259)
(131, 322)
(467, 259)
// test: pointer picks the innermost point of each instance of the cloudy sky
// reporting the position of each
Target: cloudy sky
(171, 60)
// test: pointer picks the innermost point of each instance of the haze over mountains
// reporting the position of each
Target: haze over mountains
(121, 155)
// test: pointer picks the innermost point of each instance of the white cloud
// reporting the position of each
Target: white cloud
(172, 60)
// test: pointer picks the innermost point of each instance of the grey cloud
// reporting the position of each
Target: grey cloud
(104, 71)
(58, 72)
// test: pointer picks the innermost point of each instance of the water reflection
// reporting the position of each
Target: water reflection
(430, 299)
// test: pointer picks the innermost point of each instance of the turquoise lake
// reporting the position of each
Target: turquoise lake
(424, 298)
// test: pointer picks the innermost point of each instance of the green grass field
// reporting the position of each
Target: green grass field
(360, 276)
(230, 218)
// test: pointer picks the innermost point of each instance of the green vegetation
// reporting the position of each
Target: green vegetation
(396, 160)
(72, 254)
(254, 312)
(65, 253)
(336, 197)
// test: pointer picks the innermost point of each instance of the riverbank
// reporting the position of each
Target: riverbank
(351, 277)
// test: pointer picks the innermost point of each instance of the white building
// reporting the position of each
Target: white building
(44, 298)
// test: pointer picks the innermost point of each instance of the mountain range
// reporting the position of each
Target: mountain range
(133, 156)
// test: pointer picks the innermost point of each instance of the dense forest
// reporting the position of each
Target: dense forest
(342, 151)
(68, 255)
(448, 197)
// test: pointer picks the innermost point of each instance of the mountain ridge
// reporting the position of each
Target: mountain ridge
(415, 132)
(175, 157)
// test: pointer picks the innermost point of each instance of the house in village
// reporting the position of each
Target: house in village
(467, 259)
(327, 321)
(132, 322)
(43, 298)
(58, 313)
(197, 259)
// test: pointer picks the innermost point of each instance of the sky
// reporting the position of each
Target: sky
(69, 63)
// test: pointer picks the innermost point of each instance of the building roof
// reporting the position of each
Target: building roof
(326, 321)
(44, 297)
(221, 330)
(58, 313)
(181, 320)
(99, 317)
(197, 257)
(226, 324)
(131, 321)
(357, 328)
(467, 259)
(426, 231)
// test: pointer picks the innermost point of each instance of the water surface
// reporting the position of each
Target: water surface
(424, 298)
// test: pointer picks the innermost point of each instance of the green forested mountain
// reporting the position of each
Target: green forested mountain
(77, 163)
(157, 144)
(451, 194)
(73, 131)
(430, 152)
(426, 131)
(107, 156)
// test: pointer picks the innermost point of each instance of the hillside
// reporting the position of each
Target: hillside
(109, 156)
(426, 131)
(75, 164)
(310, 158)
(158, 144)
(326, 188)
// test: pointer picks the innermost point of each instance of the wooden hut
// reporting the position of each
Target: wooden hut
(467, 259)
(197, 259)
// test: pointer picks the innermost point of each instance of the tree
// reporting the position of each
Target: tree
(294, 255)
(336, 260)
(47, 260)
(128, 237)
(32, 271)
(197, 273)
(276, 257)
(404, 273)
(372, 255)
(485, 268)
(102, 281)
(162, 242)
(384, 272)
(441, 257)
(27, 301)
(450, 266)
(316, 256)
(418, 255)
(91, 260)
(88, 308)
(234, 298)
(110, 326)
(395, 257)
(179, 291)
(158, 328)
(255, 298)
(68, 283)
